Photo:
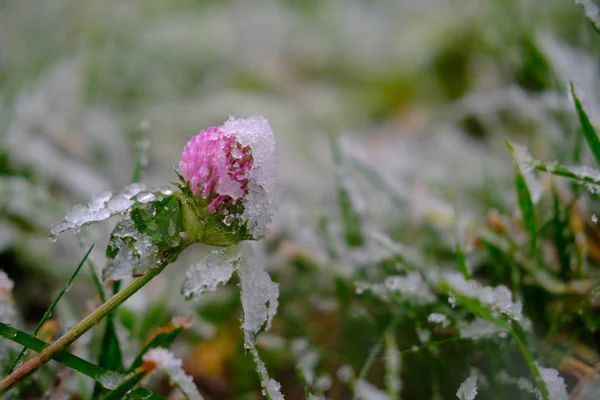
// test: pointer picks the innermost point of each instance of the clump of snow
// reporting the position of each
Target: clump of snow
(479, 328)
(521, 382)
(499, 299)
(410, 285)
(468, 389)
(591, 11)
(557, 389)
(6, 284)
(345, 373)
(594, 218)
(260, 203)
(166, 361)
(110, 380)
(363, 390)
(102, 207)
(214, 270)
(439, 318)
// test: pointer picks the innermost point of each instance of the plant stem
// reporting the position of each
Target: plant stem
(75, 332)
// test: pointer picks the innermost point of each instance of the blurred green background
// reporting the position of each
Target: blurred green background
(424, 92)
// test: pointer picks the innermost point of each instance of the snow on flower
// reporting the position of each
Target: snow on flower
(234, 165)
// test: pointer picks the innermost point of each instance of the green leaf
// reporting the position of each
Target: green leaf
(462, 262)
(50, 310)
(163, 337)
(75, 363)
(525, 200)
(586, 126)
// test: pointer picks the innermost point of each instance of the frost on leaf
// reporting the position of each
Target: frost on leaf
(164, 360)
(523, 160)
(499, 299)
(214, 270)
(145, 236)
(103, 206)
(259, 301)
(410, 286)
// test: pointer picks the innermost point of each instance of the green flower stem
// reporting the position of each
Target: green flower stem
(75, 332)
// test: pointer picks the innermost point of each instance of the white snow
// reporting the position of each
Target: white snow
(468, 389)
(261, 201)
(479, 328)
(498, 299)
(166, 361)
(557, 389)
(6, 284)
(439, 318)
(410, 285)
(363, 390)
(214, 270)
(101, 207)
(591, 10)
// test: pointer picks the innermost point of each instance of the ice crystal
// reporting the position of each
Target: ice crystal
(523, 160)
(411, 286)
(479, 328)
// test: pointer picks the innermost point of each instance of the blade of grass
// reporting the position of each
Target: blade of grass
(462, 262)
(351, 219)
(75, 363)
(586, 126)
(50, 309)
(392, 366)
(559, 236)
(525, 201)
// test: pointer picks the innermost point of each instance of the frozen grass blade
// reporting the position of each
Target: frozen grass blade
(525, 199)
(462, 262)
(392, 366)
(586, 126)
(50, 310)
(75, 363)
(559, 236)
(351, 220)
(126, 386)
(590, 177)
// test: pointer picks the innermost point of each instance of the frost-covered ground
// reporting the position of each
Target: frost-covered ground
(390, 118)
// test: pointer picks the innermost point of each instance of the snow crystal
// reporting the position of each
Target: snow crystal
(263, 194)
(554, 383)
(498, 298)
(468, 389)
(214, 270)
(307, 364)
(102, 207)
(478, 328)
(166, 361)
(363, 390)
(423, 334)
(594, 218)
(439, 318)
(522, 157)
